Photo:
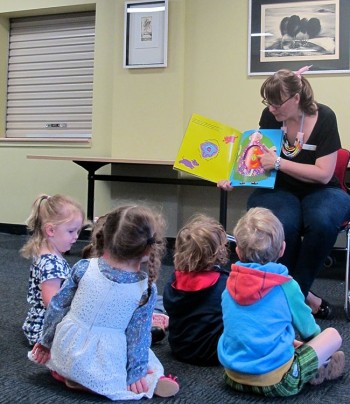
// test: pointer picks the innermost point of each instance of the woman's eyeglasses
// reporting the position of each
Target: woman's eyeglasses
(265, 102)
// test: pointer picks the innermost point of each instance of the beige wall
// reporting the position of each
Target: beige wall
(142, 113)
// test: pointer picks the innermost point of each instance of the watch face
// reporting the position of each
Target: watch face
(277, 163)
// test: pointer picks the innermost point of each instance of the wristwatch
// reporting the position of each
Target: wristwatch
(278, 163)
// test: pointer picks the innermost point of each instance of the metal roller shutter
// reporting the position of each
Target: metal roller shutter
(50, 76)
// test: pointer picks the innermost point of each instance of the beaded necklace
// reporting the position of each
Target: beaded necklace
(292, 151)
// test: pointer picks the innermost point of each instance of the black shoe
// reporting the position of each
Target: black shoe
(158, 334)
(324, 312)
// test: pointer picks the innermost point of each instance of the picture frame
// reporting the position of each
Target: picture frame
(292, 34)
(145, 34)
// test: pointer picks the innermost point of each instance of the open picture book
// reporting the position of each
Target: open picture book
(214, 151)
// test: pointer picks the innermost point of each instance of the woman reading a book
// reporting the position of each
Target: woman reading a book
(307, 197)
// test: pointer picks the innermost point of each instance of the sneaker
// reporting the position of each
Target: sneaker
(76, 386)
(167, 386)
(160, 320)
(58, 377)
(158, 334)
(330, 370)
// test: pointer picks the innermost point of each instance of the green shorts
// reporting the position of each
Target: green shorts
(303, 369)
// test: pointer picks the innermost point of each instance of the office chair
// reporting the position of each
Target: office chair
(343, 159)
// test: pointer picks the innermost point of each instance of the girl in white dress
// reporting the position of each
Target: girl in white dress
(96, 332)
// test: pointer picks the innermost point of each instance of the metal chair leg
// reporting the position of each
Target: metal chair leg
(347, 269)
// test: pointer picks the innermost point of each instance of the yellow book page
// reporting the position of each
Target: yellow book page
(208, 149)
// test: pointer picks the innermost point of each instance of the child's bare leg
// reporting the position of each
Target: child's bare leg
(325, 344)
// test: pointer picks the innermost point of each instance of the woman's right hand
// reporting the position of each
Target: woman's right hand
(225, 185)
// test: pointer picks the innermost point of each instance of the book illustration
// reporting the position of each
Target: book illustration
(249, 163)
(248, 167)
(214, 152)
(209, 149)
(189, 163)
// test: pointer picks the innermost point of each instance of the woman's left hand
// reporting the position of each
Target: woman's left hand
(225, 185)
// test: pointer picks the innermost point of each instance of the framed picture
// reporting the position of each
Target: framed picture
(293, 34)
(145, 34)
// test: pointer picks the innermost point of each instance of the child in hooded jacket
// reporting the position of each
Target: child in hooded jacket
(262, 307)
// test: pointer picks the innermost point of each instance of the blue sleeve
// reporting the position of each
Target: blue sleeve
(302, 318)
(138, 337)
(61, 302)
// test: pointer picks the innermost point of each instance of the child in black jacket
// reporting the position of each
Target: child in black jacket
(192, 297)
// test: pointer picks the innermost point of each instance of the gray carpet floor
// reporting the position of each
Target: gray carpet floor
(24, 382)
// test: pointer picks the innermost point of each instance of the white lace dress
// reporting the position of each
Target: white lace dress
(90, 345)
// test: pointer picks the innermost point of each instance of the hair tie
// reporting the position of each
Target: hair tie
(44, 198)
(302, 70)
(151, 240)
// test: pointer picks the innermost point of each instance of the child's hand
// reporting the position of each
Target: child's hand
(40, 354)
(297, 343)
(141, 386)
